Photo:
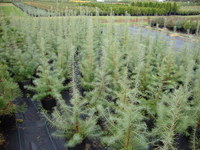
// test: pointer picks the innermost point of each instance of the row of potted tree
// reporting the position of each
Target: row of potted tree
(127, 91)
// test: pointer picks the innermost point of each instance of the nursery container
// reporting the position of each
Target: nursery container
(2, 142)
(182, 142)
(22, 86)
(48, 103)
(7, 122)
(3, 146)
(66, 81)
(81, 146)
(101, 123)
(87, 145)
(150, 124)
(198, 125)
(154, 146)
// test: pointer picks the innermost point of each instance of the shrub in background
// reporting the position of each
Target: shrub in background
(181, 24)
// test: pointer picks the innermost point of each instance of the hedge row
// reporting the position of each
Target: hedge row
(122, 9)
(188, 12)
(106, 9)
(5, 1)
(135, 9)
(37, 11)
(33, 11)
(171, 8)
(178, 24)
(192, 10)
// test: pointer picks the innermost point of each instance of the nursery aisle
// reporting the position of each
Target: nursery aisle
(32, 134)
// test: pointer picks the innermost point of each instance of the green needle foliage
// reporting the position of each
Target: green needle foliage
(64, 50)
(9, 91)
(88, 63)
(171, 110)
(49, 82)
(97, 98)
(62, 59)
(196, 102)
(174, 112)
(113, 58)
(125, 127)
(164, 77)
(128, 79)
(74, 122)
(24, 65)
(10, 40)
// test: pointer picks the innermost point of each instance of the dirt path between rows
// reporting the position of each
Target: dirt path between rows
(6, 4)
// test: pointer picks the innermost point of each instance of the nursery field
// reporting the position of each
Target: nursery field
(104, 9)
(194, 8)
(82, 82)
(189, 8)
(120, 8)
(7, 9)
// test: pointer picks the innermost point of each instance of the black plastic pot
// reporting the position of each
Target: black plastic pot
(155, 146)
(81, 146)
(88, 145)
(48, 103)
(7, 122)
(182, 142)
(66, 81)
(101, 123)
(22, 86)
(198, 134)
(3, 147)
(66, 96)
(83, 90)
(2, 142)
(150, 123)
